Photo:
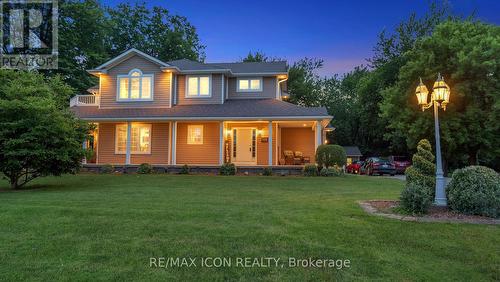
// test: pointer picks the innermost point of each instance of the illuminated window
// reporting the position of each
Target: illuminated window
(135, 86)
(198, 86)
(140, 139)
(249, 84)
(195, 134)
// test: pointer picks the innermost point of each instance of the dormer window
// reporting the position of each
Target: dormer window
(198, 86)
(250, 84)
(135, 86)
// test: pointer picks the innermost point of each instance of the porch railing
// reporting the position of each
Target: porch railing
(84, 100)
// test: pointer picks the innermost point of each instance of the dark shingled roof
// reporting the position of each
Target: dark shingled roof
(244, 108)
(235, 68)
(188, 65)
(352, 151)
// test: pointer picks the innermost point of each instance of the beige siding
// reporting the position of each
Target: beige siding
(161, 91)
(298, 139)
(202, 154)
(216, 92)
(159, 146)
(268, 89)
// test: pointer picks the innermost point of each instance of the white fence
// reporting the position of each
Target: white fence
(84, 100)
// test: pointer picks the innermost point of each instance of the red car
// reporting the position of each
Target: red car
(400, 162)
(354, 167)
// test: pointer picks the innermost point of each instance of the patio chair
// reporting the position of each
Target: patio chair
(298, 158)
(289, 158)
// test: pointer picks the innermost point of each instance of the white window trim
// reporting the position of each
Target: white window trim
(118, 77)
(133, 152)
(186, 90)
(202, 134)
(249, 79)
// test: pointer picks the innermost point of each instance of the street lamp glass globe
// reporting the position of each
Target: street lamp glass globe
(421, 93)
(441, 90)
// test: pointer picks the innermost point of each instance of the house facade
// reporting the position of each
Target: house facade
(185, 112)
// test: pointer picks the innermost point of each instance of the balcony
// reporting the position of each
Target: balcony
(84, 100)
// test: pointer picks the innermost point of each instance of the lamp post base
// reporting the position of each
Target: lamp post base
(440, 198)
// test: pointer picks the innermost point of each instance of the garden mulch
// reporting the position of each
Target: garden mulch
(386, 209)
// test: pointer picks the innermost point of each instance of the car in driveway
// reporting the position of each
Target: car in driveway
(376, 165)
(354, 167)
(401, 163)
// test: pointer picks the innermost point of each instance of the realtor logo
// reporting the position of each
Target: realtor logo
(28, 37)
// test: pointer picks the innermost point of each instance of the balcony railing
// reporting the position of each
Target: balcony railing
(84, 100)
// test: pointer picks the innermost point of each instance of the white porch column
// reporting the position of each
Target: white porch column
(221, 143)
(174, 143)
(84, 146)
(129, 142)
(318, 133)
(270, 143)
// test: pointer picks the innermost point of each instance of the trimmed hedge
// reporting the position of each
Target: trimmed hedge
(107, 168)
(330, 155)
(422, 172)
(227, 169)
(184, 169)
(145, 168)
(332, 171)
(310, 170)
(267, 171)
(416, 199)
(475, 190)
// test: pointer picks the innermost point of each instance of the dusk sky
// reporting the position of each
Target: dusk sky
(342, 33)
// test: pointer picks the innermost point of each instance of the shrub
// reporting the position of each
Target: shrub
(310, 170)
(184, 169)
(267, 171)
(332, 171)
(330, 155)
(227, 169)
(145, 168)
(423, 170)
(416, 199)
(475, 190)
(107, 168)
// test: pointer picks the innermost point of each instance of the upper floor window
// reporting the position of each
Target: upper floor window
(198, 86)
(135, 86)
(140, 141)
(249, 84)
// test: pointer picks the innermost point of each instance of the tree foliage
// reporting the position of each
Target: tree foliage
(154, 31)
(90, 34)
(38, 134)
(467, 55)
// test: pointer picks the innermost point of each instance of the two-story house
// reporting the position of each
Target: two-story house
(186, 112)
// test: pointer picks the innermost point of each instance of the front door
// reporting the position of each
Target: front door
(244, 146)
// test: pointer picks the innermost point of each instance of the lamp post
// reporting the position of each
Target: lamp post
(440, 97)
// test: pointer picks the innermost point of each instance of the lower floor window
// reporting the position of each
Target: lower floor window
(140, 139)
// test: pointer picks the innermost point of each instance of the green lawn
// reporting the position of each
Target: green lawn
(106, 227)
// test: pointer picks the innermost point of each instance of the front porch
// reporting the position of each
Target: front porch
(249, 144)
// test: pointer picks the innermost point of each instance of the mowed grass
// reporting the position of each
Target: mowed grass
(106, 227)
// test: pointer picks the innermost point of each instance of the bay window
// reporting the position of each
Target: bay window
(140, 139)
(135, 86)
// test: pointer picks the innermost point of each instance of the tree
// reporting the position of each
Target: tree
(83, 41)
(38, 134)
(304, 85)
(258, 56)
(466, 54)
(156, 32)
